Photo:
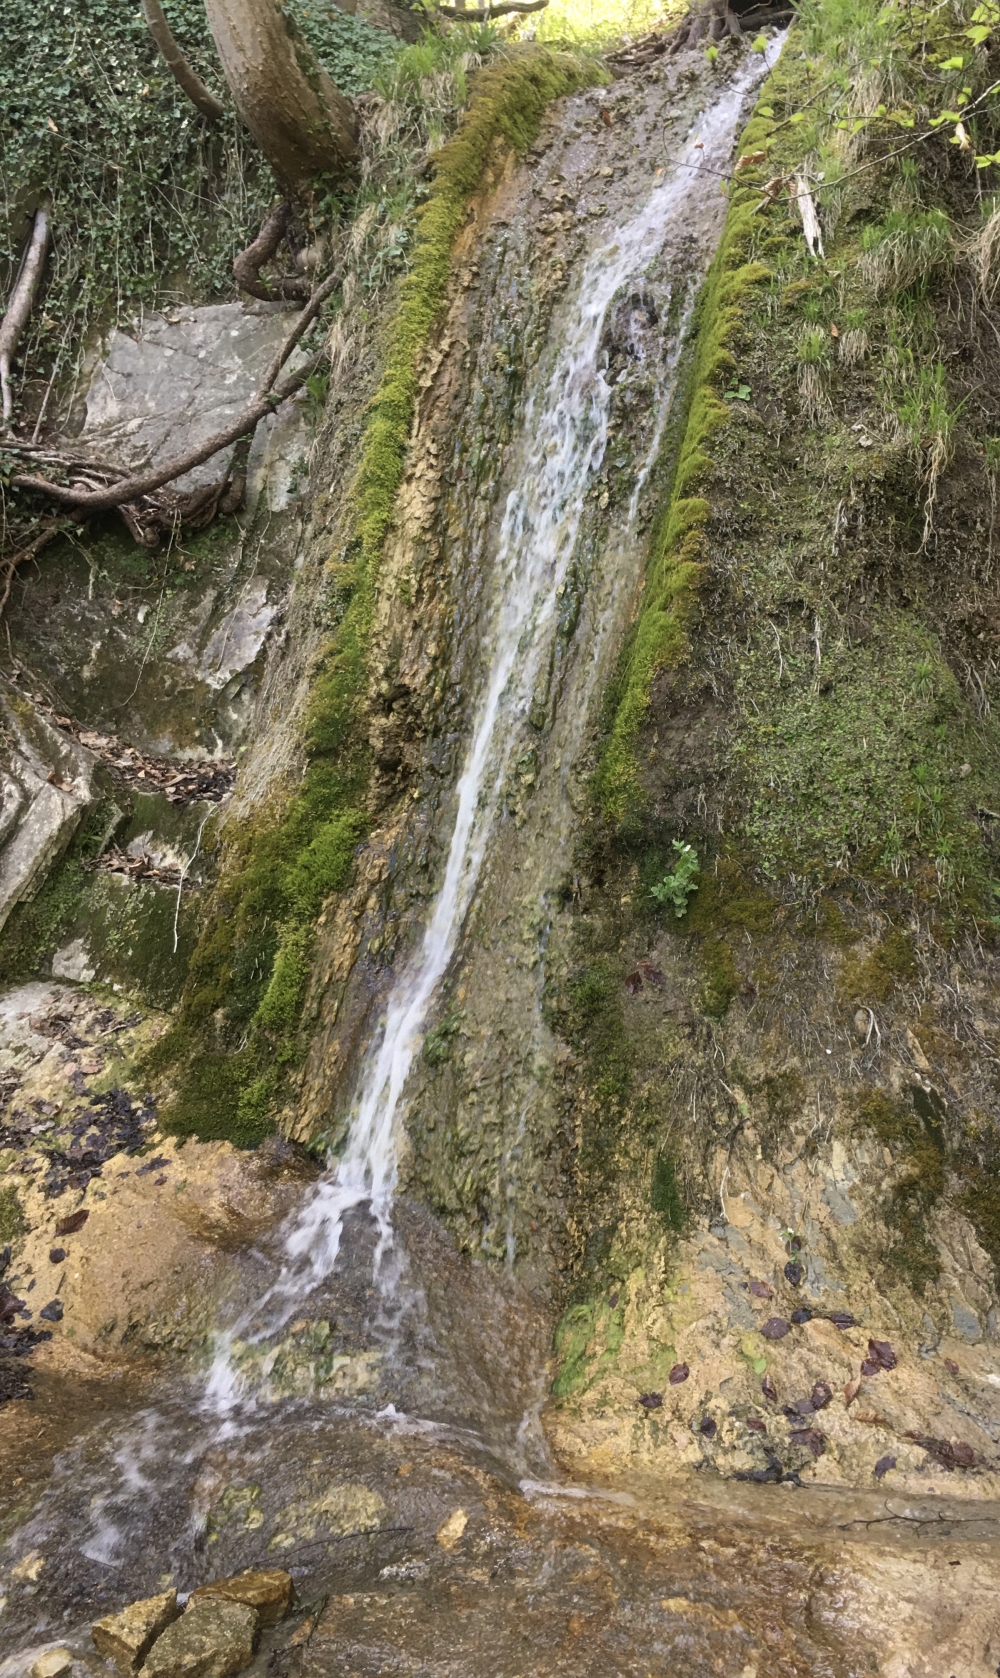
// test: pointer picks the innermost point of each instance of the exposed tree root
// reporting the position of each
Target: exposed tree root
(707, 23)
(246, 268)
(177, 64)
(19, 308)
(46, 533)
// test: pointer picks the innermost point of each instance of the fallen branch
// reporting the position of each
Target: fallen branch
(127, 491)
(482, 14)
(246, 268)
(177, 64)
(19, 308)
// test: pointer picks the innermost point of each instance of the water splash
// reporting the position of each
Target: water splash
(566, 421)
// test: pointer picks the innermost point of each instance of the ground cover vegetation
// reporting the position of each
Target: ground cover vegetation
(807, 698)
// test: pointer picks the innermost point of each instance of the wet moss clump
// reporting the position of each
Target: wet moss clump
(665, 1194)
(913, 1131)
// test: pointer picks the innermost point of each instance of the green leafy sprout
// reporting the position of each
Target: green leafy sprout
(675, 888)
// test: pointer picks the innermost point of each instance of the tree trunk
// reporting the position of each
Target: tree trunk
(303, 125)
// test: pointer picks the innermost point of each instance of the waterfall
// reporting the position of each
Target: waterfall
(565, 428)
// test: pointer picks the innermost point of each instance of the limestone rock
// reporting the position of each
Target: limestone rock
(343, 1509)
(126, 1638)
(269, 1590)
(55, 1663)
(214, 1639)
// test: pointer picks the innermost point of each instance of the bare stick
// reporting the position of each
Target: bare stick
(482, 14)
(177, 64)
(246, 268)
(19, 307)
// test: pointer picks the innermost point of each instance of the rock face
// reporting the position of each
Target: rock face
(213, 1639)
(126, 1638)
(268, 1590)
(45, 786)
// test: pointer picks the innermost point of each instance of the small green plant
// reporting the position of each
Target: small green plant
(675, 888)
(738, 393)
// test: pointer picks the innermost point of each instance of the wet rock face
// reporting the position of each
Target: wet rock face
(46, 784)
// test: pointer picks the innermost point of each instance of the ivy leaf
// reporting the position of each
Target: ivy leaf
(953, 64)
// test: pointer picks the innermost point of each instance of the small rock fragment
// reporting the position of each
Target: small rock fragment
(707, 1427)
(57, 1255)
(214, 1639)
(269, 1590)
(775, 1328)
(69, 1225)
(451, 1530)
(811, 1438)
(679, 1373)
(55, 1663)
(53, 1311)
(126, 1638)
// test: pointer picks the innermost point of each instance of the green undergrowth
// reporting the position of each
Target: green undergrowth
(239, 1031)
(149, 201)
(12, 1219)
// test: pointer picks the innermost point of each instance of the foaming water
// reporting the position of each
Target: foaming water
(566, 421)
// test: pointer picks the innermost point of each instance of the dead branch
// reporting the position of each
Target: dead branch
(246, 268)
(126, 492)
(19, 308)
(177, 64)
(482, 14)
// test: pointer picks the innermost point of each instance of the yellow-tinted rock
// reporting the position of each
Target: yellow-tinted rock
(342, 1510)
(451, 1530)
(126, 1638)
(269, 1590)
(53, 1664)
(214, 1639)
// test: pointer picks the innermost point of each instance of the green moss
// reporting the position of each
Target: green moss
(573, 1335)
(249, 974)
(892, 963)
(914, 1132)
(665, 1194)
(12, 1219)
(660, 638)
(37, 928)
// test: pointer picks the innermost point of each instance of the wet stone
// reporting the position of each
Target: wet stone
(55, 1663)
(126, 1638)
(214, 1639)
(268, 1590)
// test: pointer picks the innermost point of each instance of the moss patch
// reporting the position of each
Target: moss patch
(913, 1130)
(12, 1220)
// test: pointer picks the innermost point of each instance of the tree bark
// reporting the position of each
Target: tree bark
(177, 64)
(303, 125)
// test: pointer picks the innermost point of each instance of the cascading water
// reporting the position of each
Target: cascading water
(566, 421)
(158, 1472)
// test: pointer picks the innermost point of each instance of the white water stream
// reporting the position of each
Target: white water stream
(566, 425)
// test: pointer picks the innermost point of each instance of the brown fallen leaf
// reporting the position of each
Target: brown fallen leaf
(69, 1225)
(748, 160)
(679, 1373)
(811, 1437)
(950, 1453)
(607, 118)
(775, 1328)
(851, 1391)
(951, 1366)
(760, 1289)
(633, 983)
